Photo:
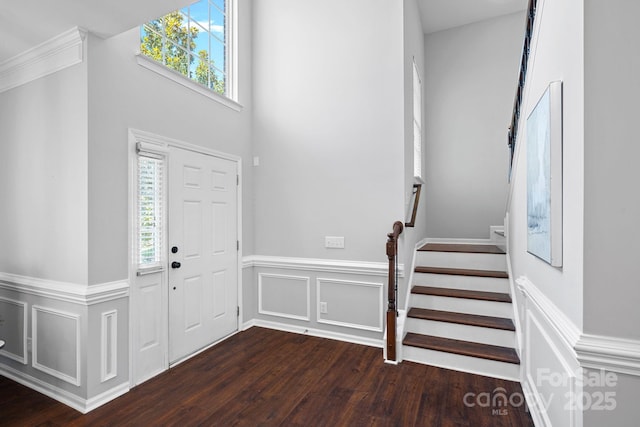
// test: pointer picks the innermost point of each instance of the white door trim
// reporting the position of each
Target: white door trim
(153, 143)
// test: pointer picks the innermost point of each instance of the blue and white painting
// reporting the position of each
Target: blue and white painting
(539, 179)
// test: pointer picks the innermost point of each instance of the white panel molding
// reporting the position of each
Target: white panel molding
(371, 342)
(64, 291)
(109, 345)
(378, 286)
(515, 305)
(25, 322)
(75, 380)
(562, 325)
(539, 407)
(56, 54)
(63, 396)
(320, 265)
(307, 284)
(609, 353)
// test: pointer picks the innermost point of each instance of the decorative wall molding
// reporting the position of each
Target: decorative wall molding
(64, 291)
(609, 353)
(22, 358)
(56, 54)
(306, 282)
(109, 345)
(320, 265)
(371, 342)
(36, 362)
(377, 286)
(563, 326)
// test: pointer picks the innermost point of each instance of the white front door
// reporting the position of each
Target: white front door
(203, 253)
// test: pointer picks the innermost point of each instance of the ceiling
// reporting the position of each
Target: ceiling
(440, 15)
(27, 23)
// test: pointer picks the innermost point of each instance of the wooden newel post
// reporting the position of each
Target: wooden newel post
(392, 310)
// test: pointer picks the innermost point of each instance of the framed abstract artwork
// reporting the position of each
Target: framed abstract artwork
(544, 177)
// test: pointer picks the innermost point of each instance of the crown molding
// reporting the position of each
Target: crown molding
(53, 55)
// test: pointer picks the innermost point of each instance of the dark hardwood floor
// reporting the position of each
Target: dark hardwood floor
(262, 377)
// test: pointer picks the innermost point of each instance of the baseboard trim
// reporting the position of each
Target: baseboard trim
(324, 265)
(371, 342)
(74, 401)
(64, 291)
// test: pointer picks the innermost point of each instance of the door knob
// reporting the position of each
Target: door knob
(175, 264)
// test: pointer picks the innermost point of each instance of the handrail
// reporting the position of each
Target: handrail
(517, 103)
(392, 292)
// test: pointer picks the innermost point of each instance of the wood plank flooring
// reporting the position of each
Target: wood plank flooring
(272, 378)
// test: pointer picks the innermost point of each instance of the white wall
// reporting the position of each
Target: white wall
(123, 94)
(584, 314)
(43, 177)
(328, 126)
(413, 51)
(471, 73)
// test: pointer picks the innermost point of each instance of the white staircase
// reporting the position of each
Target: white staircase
(460, 314)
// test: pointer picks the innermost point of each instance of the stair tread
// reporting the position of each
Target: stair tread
(463, 272)
(462, 293)
(462, 247)
(462, 318)
(465, 348)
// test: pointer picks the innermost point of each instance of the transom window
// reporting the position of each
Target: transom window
(195, 42)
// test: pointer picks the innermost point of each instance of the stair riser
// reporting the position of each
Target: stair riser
(496, 262)
(461, 332)
(474, 365)
(487, 284)
(463, 305)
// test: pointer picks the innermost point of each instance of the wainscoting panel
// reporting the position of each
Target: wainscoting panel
(338, 297)
(13, 329)
(109, 346)
(284, 296)
(56, 343)
(548, 375)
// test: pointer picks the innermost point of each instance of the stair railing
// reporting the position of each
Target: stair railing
(392, 291)
(517, 102)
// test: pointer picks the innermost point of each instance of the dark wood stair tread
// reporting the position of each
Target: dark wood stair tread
(461, 293)
(465, 348)
(463, 272)
(462, 318)
(464, 248)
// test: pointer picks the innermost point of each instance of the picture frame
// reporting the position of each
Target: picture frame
(544, 177)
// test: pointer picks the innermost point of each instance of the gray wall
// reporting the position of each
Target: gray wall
(123, 94)
(471, 73)
(413, 50)
(611, 172)
(328, 126)
(43, 177)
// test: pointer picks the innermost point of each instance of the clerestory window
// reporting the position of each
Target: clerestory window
(195, 41)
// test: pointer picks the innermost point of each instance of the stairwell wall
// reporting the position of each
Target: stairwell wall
(328, 133)
(469, 75)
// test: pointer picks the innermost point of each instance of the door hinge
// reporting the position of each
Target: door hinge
(238, 312)
(237, 245)
(237, 179)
